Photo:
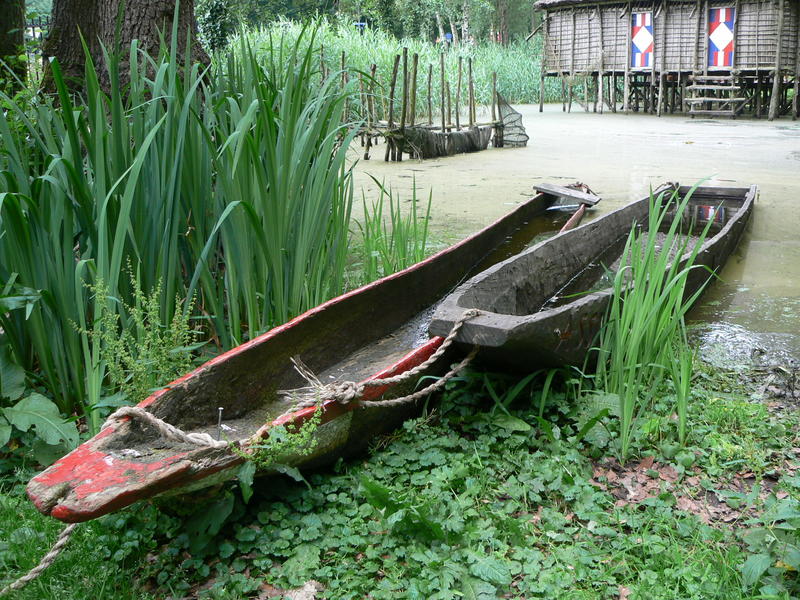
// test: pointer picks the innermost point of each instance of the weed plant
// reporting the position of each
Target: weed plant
(228, 185)
(643, 339)
(391, 245)
(517, 65)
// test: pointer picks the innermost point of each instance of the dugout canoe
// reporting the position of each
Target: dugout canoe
(371, 333)
(544, 306)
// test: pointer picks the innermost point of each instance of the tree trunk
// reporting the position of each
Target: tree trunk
(454, 30)
(143, 20)
(12, 43)
(465, 23)
(502, 21)
(440, 26)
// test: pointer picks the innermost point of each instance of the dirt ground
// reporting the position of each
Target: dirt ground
(755, 307)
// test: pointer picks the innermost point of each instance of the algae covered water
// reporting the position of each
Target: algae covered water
(753, 310)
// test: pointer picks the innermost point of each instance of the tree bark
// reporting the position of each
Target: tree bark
(12, 43)
(454, 30)
(144, 20)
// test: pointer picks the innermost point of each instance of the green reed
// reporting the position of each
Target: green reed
(225, 184)
(643, 339)
(391, 245)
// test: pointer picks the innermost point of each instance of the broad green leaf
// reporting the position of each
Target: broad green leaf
(245, 476)
(46, 454)
(475, 589)
(36, 411)
(754, 567)
(12, 376)
(491, 569)
(292, 472)
(5, 433)
(511, 423)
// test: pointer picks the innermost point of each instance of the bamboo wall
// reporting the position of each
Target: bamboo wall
(573, 35)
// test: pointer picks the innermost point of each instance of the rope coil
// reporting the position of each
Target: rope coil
(347, 391)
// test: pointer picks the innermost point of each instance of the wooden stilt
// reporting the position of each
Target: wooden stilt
(494, 97)
(390, 117)
(430, 94)
(626, 83)
(449, 107)
(412, 113)
(601, 67)
(371, 116)
(402, 142)
(796, 97)
(543, 67)
(441, 64)
(777, 78)
(471, 85)
(458, 93)
(613, 80)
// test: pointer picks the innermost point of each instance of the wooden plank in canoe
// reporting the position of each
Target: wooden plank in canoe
(565, 192)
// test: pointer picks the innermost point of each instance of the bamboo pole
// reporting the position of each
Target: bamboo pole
(401, 145)
(458, 93)
(441, 65)
(777, 78)
(390, 119)
(413, 111)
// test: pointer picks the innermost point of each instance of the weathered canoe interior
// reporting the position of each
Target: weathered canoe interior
(544, 306)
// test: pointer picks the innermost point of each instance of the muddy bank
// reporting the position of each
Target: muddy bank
(620, 156)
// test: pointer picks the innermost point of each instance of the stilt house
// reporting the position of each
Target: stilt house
(706, 57)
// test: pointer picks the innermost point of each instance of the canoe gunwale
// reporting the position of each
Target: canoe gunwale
(561, 335)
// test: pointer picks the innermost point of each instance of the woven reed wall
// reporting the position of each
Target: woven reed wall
(573, 35)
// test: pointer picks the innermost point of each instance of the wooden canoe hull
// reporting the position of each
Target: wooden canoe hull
(128, 461)
(513, 338)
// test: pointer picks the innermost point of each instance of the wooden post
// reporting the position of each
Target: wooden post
(696, 54)
(449, 107)
(601, 65)
(403, 113)
(626, 84)
(777, 78)
(571, 61)
(370, 109)
(470, 83)
(494, 97)
(662, 76)
(543, 68)
(796, 98)
(362, 97)
(413, 111)
(430, 94)
(390, 120)
(705, 41)
(458, 94)
(441, 65)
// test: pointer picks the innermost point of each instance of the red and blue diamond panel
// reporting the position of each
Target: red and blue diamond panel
(720, 37)
(642, 39)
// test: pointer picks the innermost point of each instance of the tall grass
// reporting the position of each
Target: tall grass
(226, 184)
(517, 65)
(390, 245)
(642, 341)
